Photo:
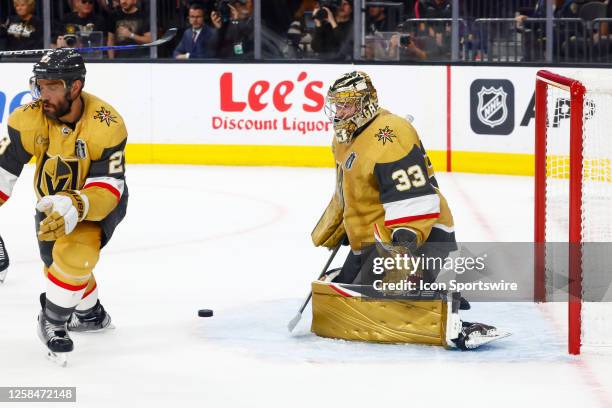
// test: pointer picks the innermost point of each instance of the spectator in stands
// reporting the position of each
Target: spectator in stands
(24, 30)
(277, 15)
(434, 36)
(333, 34)
(566, 42)
(235, 25)
(601, 49)
(129, 25)
(408, 49)
(80, 23)
(433, 9)
(376, 20)
(533, 33)
(199, 40)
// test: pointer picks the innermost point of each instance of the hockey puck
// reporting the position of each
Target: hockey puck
(205, 313)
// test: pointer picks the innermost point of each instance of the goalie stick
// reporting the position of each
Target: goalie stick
(4, 261)
(164, 39)
(298, 316)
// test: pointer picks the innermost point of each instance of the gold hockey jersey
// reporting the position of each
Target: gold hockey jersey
(384, 177)
(89, 158)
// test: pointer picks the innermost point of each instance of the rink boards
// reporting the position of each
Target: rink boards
(471, 118)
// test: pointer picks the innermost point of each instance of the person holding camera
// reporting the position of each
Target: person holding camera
(82, 21)
(24, 31)
(406, 46)
(234, 20)
(333, 34)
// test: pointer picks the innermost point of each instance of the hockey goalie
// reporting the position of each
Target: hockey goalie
(387, 202)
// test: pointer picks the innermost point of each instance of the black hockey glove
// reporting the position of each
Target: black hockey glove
(406, 238)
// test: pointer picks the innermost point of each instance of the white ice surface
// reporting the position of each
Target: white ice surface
(236, 240)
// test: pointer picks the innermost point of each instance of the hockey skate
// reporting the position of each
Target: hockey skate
(94, 320)
(55, 337)
(474, 335)
(4, 261)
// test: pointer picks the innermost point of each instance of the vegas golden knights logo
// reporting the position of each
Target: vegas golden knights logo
(57, 174)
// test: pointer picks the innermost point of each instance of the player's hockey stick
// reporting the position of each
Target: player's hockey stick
(4, 261)
(296, 319)
(164, 39)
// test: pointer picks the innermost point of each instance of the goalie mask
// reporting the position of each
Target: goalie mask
(351, 103)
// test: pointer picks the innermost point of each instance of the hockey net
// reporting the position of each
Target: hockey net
(573, 204)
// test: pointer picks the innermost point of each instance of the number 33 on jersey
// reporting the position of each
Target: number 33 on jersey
(385, 178)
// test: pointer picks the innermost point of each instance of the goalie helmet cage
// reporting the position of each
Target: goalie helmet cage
(573, 194)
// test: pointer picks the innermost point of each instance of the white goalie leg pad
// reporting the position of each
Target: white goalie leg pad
(453, 321)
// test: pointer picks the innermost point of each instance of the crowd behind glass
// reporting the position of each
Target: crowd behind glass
(393, 30)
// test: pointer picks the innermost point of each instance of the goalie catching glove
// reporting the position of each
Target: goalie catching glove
(64, 210)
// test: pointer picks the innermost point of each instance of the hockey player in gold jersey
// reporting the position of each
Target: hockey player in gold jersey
(386, 192)
(384, 177)
(78, 142)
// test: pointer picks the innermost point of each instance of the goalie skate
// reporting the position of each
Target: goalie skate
(3, 275)
(474, 335)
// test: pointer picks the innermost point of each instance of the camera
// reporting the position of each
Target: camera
(321, 14)
(405, 40)
(294, 39)
(70, 35)
(71, 40)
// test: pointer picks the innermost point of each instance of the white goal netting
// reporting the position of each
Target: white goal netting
(596, 205)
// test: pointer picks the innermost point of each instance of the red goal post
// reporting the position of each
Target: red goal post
(572, 183)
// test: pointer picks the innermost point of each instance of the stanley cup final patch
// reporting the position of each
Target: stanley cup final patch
(492, 106)
(80, 149)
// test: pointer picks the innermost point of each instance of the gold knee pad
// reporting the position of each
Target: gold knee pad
(75, 255)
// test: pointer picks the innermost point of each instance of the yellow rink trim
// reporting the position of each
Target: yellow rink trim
(493, 163)
(231, 155)
(313, 156)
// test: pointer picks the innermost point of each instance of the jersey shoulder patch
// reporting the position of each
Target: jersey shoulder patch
(103, 121)
(392, 137)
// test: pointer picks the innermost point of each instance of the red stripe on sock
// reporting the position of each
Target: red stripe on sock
(90, 290)
(65, 285)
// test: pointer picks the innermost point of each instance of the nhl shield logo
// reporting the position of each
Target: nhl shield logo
(492, 108)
